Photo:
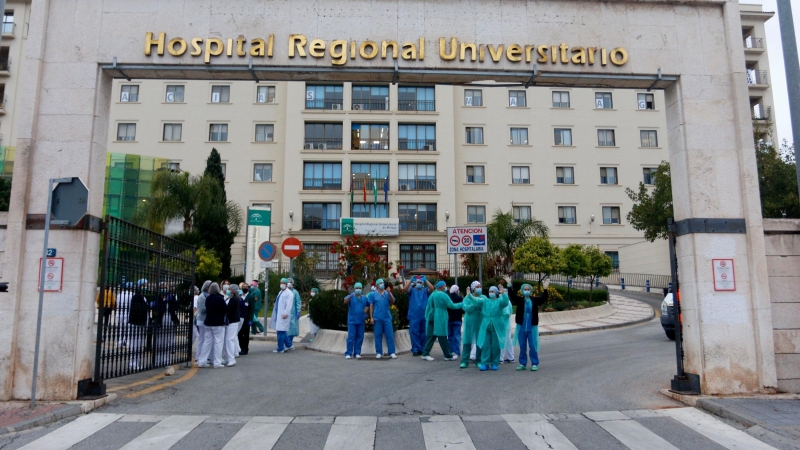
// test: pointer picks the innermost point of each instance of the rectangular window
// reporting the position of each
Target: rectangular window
(224, 170)
(262, 172)
(565, 175)
(370, 98)
(126, 132)
(369, 136)
(610, 215)
(476, 214)
(560, 99)
(8, 22)
(473, 97)
(474, 135)
(174, 94)
(602, 100)
(522, 214)
(370, 210)
(174, 166)
(328, 263)
(649, 175)
(415, 98)
(475, 174)
(321, 216)
(220, 94)
(324, 96)
(417, 217)
(520, 175)
(129, 93)
(649, 138)
(647, 101)
(414, 256)
(372, 170)
(614, 259)
(605, 138)
(519, 136)
(265, 132)
(218, 132)
(322, 175)
(323, 136)
(416, 137)
(416, 177)
(563, 136)
(566, 214)
(265, 94)
(172, 132)
(516, 99)
(608, 175)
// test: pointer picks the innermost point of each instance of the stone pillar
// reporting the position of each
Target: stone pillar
(62, 117)
(727, 335)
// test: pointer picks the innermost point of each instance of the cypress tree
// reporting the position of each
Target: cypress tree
(212, 222)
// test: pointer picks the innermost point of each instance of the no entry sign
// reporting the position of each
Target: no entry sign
(466, 240)
(292, 247)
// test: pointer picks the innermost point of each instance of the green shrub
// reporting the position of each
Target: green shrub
(328, 310)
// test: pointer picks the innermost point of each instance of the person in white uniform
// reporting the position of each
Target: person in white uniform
(216, 320)
(200, 317)
(284, 307)
(232, 329)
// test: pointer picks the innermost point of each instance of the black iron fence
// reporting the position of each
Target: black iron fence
(370, 105)
(370, 144)
(145, 303)
(416, 144)
(416, 105)
(416, 184)
(323, 144)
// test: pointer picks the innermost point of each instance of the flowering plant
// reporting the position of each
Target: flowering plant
(360, 258)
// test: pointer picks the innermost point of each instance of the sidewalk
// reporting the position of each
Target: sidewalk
(17, 416)
(627, 311)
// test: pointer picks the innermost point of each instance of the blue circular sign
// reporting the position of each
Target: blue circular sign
(267, 251)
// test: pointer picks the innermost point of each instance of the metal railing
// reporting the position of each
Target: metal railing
(752, 42)
(416, 105)
(325, 184)
(323, 143)
(4, 103)
(417, 144)
(370, 144)
(414, 184)
(417, 225)
(5, 64)
(336, 103)
(320, 224)
(368, 105)
(358, 183)
(757, 77)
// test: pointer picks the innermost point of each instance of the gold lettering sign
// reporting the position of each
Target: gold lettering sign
(450, 49)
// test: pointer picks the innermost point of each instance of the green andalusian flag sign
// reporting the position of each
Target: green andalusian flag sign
(348, 227)
(258, 218)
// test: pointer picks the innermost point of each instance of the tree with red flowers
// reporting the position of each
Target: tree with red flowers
(360, 259)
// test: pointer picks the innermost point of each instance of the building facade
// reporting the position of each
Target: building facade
(12, 47)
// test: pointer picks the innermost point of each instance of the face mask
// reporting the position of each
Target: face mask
(283, 286)
(312, 294)
(380, 286)
(492, 295)
(478, 291)
(290, 285)
(358, 291)
(419, 285)
(526, 293)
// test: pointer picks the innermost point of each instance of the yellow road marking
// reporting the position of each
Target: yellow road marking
(149, 380)
(149, 390)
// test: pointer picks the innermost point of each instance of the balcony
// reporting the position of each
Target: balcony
(417, 225)
(323, 144)
(334, 104)
(321, 224)
(416, 185)
(757, 78)
(358, 184)
(416, 105)
(368, 105)
(417, 144)
(323, 184)
(5, 67)
(3, 104)
(370, 144)
(751, 43)
(8, 30)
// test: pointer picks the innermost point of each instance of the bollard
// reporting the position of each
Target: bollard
(622, 282)
(597, 282)
(647, 285)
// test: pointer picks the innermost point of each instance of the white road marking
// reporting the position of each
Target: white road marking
(259, 433)
(635, 436)
(716, 430)
(537, 433)
(73, 432)
(166, 433)
(352, 433)
(446, 433)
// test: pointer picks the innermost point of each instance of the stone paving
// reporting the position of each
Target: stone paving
(779, 418)
(627, 311)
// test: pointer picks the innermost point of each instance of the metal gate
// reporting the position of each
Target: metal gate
(145, 304)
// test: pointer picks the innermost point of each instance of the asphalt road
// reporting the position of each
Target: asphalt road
(618, 369)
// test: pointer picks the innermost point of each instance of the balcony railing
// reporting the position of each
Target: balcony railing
(757, 77)
(334, 103)
(8, 28)
(320, 224)
(418, 225)
(752, 42)
(325, 184)
(370, 105)
(370, 144)
(4, 103)
(416, 185)
(358, 183)
(5, 64)
(323, 143)
(416, 105)
(417, 144)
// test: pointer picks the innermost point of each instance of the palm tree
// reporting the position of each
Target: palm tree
(505, 235)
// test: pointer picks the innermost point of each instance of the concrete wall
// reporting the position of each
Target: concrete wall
(782, 237)
(650, 258)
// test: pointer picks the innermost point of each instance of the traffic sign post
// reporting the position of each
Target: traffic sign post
(468, 240)
(291, 248)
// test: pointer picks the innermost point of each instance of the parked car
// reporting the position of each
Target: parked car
(668, 316)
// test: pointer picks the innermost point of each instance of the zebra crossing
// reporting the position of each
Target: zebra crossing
(635, 430)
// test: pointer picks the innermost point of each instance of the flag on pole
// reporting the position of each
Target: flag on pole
(386, 190)
(351, 189)
(365, 190)
(375, 191)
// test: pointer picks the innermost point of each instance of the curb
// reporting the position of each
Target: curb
(600, 327)
(70, 409)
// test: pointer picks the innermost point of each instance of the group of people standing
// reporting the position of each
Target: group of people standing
(434, 315)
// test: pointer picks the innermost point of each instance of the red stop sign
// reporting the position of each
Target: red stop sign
(292, 247)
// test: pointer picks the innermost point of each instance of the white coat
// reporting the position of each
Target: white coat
(285, 308)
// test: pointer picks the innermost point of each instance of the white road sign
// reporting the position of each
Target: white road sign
(466, 240)
(53, 273)
(724, 275)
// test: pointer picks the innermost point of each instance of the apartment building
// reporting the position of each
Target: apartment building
(12, 46)
(757, 61)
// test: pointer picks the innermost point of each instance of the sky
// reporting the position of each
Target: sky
(777, 73)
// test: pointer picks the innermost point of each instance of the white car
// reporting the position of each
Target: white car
(668, 317)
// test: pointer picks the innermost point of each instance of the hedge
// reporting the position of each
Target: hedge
(329, 312)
